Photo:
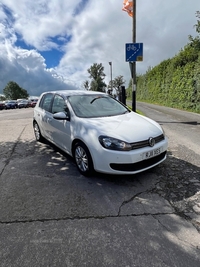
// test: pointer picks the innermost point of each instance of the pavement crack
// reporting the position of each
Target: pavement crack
(128, 201)
(42, 220)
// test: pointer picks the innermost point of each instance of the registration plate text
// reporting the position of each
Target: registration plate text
(152, 153)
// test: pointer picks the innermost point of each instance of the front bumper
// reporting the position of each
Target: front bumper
(141, 165)
(129, 162)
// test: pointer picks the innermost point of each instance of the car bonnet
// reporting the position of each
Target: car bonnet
(129, 127)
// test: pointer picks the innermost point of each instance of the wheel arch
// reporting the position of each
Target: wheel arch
(76, 140)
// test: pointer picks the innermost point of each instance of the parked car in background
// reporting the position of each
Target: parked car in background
(10, 104)
(33, 103)
(2, 105)
(99, 132)
(23, 104)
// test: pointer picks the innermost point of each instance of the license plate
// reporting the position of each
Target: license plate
(152, 153)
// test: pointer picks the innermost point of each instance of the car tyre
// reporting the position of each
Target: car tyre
(83, 159)
(37, 132)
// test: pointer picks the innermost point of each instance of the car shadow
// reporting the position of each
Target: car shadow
(175, 179)
(174, 173)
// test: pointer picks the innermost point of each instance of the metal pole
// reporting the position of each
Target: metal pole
(134, 81)
(110, 63)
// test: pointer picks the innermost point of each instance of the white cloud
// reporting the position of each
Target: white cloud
(28, 69)
(96, 35)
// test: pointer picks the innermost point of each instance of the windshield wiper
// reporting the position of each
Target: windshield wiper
(97, 98)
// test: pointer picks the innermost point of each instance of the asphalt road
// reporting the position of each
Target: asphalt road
(50, 215)
(181, 127)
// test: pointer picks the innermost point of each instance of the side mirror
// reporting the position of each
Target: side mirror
(61, 116)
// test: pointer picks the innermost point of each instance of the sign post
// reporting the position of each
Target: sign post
(134, 51)
(133, 67)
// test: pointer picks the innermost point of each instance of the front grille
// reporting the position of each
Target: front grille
(145, 143)
(138, 165)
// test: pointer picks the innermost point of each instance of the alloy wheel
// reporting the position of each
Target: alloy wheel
(37, 132)
(81, 159)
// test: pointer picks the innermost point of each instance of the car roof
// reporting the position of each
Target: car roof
(66, 93)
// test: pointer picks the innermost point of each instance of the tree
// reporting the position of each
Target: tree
(97, 75)
(116, 83)
(14, 91)
(197, 26)
(86, 85)
(2, 98)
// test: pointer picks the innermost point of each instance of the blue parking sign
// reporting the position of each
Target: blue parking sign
(134, 52)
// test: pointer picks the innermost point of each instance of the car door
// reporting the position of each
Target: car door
(60, 130)
(43, 114)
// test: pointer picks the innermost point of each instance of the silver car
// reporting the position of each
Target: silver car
(99, 132)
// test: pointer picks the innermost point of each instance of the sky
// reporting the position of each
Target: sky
(50, 45)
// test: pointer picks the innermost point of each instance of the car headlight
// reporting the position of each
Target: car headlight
(114, 144)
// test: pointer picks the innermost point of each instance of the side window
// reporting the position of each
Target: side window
(45, 102)
(59, 105)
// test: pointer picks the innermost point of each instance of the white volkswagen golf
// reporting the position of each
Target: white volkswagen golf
(99, 132)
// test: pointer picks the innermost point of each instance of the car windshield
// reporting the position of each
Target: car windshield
(91, 106)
